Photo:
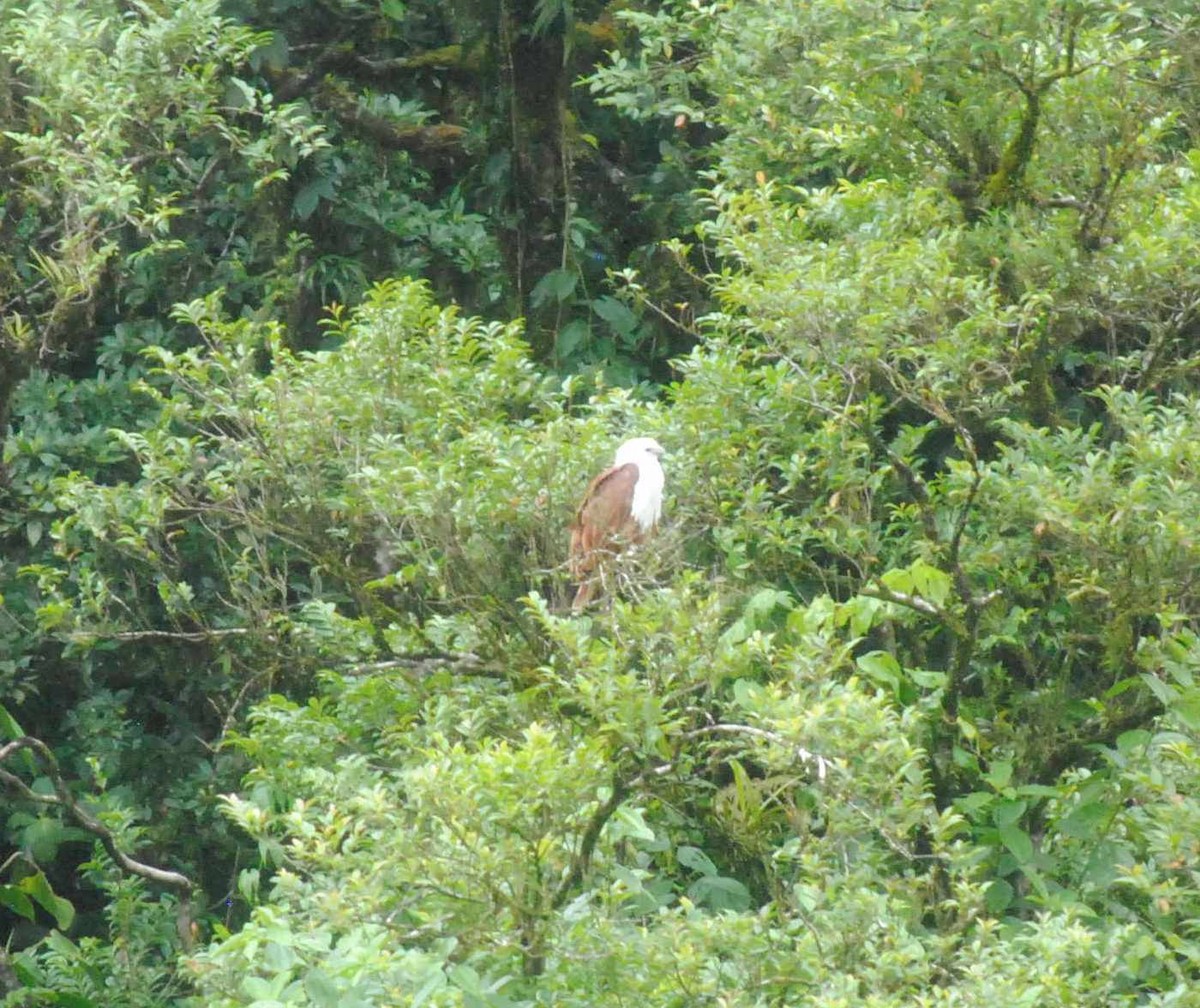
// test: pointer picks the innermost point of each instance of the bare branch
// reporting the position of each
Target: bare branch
(881, 591)
(63, 798)
(823, 763)
(430, 662)
(190, 636)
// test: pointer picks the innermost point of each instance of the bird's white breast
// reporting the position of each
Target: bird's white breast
(647, 493)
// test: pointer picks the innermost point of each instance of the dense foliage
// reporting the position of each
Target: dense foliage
(900, 706)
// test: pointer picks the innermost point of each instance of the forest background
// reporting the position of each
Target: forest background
(315, 318)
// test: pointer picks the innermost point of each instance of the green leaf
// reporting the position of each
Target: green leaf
(629, 822)
(1008, 812)
(719, 893)
(546, 12)
(920, 578)
(239, 94)
(1164, 693)
(616, 314)
(1082, 822)
(1106, 864)
(1039, 791)
(42, 838)
(1018, 842)
(279, 957)
(16, 901)
(38, 887)
(999, 775)
(436, 981)
(570, 338)
(558, 284)
(998, 897)
(10, 730)
(737, 631)
(765, 602)
(862, 611)
(248, 884)
(467, 980)
(964, 758)
(310, 195)
(1187, 709)
(881, 667)
(695, 859)
(928, 678)
(273, 54)
(747, 692)
(1129, 741)
(975, 801)
(757, 614)
(1121, 686)
(67, 1000)
(257, 988)
(931, 583)
(321, 990)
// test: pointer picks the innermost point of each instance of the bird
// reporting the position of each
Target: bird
(621, 507)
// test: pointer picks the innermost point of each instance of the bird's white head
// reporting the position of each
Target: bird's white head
(644, 452)
(636, 449)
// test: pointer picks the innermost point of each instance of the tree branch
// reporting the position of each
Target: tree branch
(587, 844)
(943, 143)
(63, 798)
(877, 589)
(189, 636)
(823, 763)
(423, 664)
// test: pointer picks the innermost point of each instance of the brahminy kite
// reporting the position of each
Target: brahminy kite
(621, 507)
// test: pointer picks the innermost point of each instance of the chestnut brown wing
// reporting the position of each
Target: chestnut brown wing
(603, 516)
